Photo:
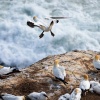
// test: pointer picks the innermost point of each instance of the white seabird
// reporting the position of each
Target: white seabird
(85, 84)
(59, 72)
(37, 96)
(64, 97)
(76, 94)
(11, 97)
(43, 26)
(95, 87)
(6, 70)
(96, 62)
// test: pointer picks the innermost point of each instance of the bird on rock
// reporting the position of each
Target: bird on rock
(7, 70)
(59, 72)
(76, 94)
(85, 84)
(95, 87)
(37, 96)
(11, 97)
(64, 97)
(96, 62)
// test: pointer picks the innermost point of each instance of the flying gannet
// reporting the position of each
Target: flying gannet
(43, 25)
(37, 96)
(59, 72)
(76, 94)
(11, 97)
(85, 84)
(96, 62)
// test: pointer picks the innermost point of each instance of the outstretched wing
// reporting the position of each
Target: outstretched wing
(59, 17)
(56, 18)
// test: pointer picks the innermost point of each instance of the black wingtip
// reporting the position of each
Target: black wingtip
(57, 21)
(1, 97)
(30, 24)
(62, 81)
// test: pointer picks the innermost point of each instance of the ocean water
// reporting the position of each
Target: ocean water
(20, 45)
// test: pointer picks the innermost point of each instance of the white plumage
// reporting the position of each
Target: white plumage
(61, 98)
(96, 62)
(38, 96)
(63, 70)
(11, 97)
(42, 21)
(76, 94)
(59, 71)
(95, 87)
(44, 24)
(85, 84)
(5, 70)
(64, 97)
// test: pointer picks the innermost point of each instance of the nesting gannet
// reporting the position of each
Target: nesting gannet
(76, 94)
(43, 26)
(11, 97)
(37, 96)
(95, 87)
(64, 97)
(85, 84)
(96, 62)
(7, 70)
(59, 72)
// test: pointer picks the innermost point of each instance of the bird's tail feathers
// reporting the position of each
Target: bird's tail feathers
(1, 97)
(62, 81)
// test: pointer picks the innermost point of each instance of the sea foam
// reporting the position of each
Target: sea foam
(20, 45)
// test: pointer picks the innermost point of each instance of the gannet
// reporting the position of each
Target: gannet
(76, 94)
(37, 96)
(6, 70)
(11, 97)
(85, 84)
(95, 87)
(96, 62)
(42, 24)
(64, 97)
(59, 72)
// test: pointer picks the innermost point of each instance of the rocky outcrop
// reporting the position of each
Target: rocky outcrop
(38, 77)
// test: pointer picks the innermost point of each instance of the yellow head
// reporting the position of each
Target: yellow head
(35, 18)
(96, 57)
(56, 62)
(1, 66)
(77, 90)
(86, 77)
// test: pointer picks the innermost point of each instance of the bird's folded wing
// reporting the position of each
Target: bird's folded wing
(58, 74)
(62, 70)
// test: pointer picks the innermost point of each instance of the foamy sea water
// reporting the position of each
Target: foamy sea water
(20, 45)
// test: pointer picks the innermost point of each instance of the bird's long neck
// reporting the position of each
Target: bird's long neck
(51, 24)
